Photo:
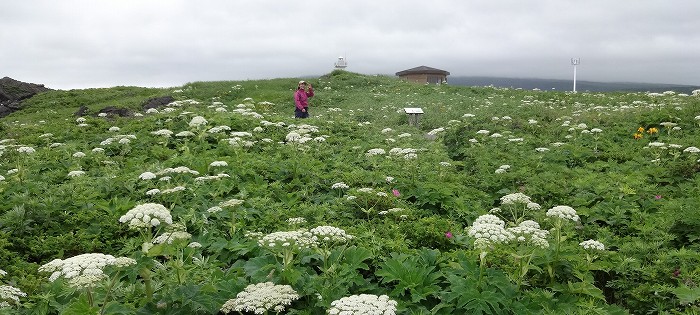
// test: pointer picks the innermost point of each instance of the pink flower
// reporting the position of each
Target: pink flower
(396, 192)
(448, 234)
(657, 197)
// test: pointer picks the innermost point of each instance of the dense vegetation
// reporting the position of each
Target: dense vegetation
(501, 202)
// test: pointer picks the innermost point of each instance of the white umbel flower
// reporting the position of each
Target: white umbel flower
(197, 121)
(10, 295)
(25, 149)
(292, 239)
(592, 245)
(83, 270)
(147, 176)
(563, 212)
(515, 198)
(146, 216)
(529, 231)
(340, 185)
(363, 304)
(218, 163)
(330, 234)
(260, 298)
(75, 173)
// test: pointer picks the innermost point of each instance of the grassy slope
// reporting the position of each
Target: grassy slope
(593, 183)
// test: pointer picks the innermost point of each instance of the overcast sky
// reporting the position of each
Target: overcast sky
(164, 43)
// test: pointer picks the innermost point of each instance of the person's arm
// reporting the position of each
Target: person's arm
(310, 92)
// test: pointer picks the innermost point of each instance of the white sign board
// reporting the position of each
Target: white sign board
(413, 110)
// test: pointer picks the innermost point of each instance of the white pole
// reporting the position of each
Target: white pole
(575, 62)
(574, 78)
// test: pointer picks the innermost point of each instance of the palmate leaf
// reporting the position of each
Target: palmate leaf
(410, 276)
(355, 258)
(463, 293)
(687, 295)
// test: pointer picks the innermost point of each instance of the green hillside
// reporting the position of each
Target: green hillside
(501, 201)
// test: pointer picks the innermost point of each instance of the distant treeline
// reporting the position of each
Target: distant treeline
(567, 85)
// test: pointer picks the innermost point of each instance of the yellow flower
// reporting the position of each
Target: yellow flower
(638, 136)
(641, 129)
(652, 130)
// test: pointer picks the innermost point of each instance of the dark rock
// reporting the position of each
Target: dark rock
(13, 92)
(157, 102)
(115, 111)
(82, 111)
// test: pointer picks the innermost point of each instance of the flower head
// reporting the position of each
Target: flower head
(592, 245)
(563, 212)
(363, 304)
(146, 216)
(330, 234)
(84, 270)
(260, 298)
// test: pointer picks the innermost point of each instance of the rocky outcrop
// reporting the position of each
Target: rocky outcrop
(13, 92)
(157, 102)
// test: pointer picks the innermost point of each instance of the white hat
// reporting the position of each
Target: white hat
(302, 81)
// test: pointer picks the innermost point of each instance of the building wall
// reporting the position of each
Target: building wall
(423, 78)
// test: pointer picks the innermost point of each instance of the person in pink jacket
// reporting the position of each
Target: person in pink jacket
(301, 99)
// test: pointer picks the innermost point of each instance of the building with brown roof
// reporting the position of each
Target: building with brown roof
(424, 74)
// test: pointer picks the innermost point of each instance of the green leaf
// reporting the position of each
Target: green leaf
(114, 307)
(80, 307)
(355, 257)
(687, 295)
(260, 268)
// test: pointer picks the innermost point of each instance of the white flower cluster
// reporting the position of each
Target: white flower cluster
(376, 151)
(363, 304)
(436, 131)
(162, 132)
(25, 149)
(515, 199)
(75, 173)
(592, 245)
(487, 230)
(146, 216)
(260, 298)
(392, 210)
(340, 185)
(407, 153)
(121, 139)
(147, 176)
(691, 150)
(214, 209)
(218, 163)
(292, 239)
(173, 190)
(529, 231)
(231, 203)
(211, 177)
(170, 237)
(330, 234)
(179, 170)
(10, 295)
(563, 212)
(186, 133)
(197, 121)
(83, 270)
(219, 129)
(78, 154)
(502, 169)
(298, 220)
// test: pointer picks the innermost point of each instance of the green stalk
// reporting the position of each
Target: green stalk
(109, 293)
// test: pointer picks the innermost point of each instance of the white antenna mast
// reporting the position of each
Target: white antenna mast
(575, 62)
